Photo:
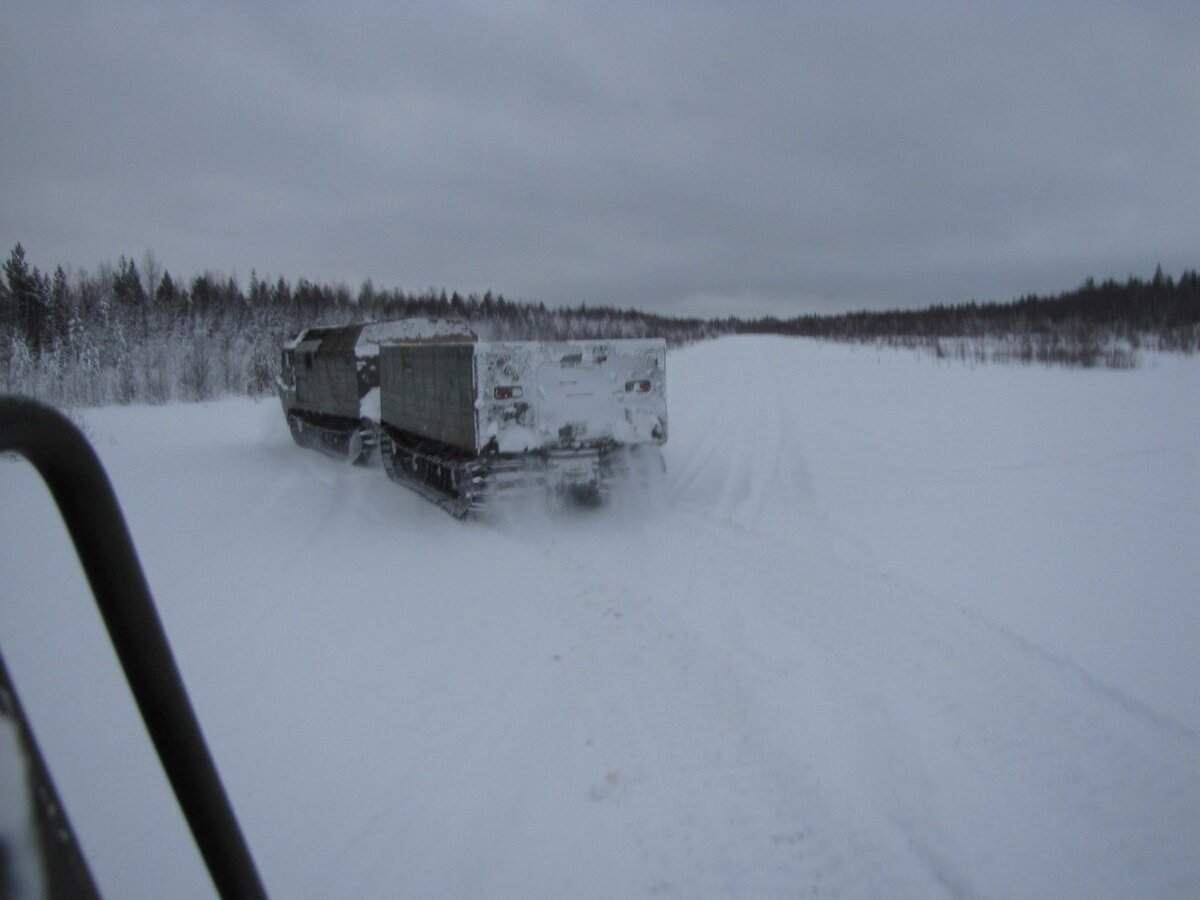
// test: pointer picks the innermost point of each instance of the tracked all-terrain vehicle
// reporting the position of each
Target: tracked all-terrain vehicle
(462, 421)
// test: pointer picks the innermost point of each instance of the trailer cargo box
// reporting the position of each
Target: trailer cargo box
(516, 397)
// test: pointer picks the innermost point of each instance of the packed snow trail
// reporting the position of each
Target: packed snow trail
(912, 749)
(730, 687)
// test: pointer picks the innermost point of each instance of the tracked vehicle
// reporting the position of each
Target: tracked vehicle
(463, 421)
(329, 382)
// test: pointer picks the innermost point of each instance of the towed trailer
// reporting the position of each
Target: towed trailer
(462, 420)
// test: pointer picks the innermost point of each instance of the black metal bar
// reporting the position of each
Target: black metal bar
(89, 508)
(58, 858)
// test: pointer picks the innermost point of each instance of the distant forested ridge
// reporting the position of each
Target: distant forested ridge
(131, 333)
(1095, 325)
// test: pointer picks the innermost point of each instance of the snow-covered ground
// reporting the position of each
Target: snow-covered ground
(890, 628)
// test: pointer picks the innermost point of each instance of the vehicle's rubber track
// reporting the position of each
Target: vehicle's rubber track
(352, 442)
(456, 485)
(462, 484)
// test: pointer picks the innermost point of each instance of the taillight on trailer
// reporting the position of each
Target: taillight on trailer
(508, 392)
(637, 387)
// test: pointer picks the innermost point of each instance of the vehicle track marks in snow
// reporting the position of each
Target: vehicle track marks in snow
(1111, 781)
(744, 464)
(822, 694)
(683, 729)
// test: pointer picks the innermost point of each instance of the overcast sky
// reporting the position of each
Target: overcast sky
(714, 158)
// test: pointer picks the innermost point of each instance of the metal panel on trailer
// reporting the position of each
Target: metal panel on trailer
(328, 381)
(572, 394)
(428, 390)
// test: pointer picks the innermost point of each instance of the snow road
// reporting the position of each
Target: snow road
(889, 628)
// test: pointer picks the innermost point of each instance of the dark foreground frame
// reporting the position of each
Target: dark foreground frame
(85, 498)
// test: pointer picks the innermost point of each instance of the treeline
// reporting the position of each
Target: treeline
(1102, 324)
(134, 334)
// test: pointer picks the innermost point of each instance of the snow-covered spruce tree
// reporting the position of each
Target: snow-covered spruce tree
(196, 374)
(28, 292)
(20, 368)
(85, 386)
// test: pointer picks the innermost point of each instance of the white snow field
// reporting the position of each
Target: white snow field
(891, 628)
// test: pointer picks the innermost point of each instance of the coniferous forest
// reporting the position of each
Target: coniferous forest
(132, 333)
(1095, 325)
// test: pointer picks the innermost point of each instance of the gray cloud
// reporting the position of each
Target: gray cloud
(699, 157)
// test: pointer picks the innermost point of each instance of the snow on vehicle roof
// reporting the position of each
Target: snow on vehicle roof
(367, 336)
(376, 333)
